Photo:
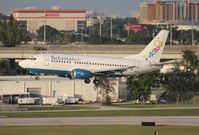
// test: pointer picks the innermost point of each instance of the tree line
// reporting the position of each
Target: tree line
(13, 33)
(91, 35)
(182, 82)
(10, 32)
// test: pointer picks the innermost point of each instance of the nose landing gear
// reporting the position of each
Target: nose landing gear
(37, 77)
(87, 81)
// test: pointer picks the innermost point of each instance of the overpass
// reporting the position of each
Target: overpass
(22, 52)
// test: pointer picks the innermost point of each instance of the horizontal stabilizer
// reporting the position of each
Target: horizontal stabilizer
(166, 63)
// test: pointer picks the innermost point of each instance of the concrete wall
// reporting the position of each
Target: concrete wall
(10, 87)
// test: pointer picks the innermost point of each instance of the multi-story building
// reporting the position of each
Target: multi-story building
(151, 12)
(143, 11)
(194, 11)
(69, 20)
(169, 11)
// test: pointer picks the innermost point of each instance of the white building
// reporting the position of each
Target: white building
(69, 20)
(21, 86)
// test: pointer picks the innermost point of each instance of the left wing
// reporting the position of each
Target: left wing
(114, 72)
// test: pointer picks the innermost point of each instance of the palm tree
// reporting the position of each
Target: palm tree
(106, 89)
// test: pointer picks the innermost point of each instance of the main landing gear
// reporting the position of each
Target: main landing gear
(37, 77)
(95, 81)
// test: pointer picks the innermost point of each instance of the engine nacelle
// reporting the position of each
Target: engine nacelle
(81, 74)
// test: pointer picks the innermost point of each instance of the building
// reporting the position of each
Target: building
(143, 12)
(151, 12)
(51, 86)
(167, 11)
(69, 20)
(187, 25)
(93, 17)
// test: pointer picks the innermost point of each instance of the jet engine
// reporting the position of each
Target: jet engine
(81, 74)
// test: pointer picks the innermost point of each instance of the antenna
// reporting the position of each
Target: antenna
(111, 27)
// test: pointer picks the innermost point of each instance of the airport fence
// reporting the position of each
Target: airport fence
(190, 101)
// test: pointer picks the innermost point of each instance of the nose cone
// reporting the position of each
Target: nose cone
(22, 64)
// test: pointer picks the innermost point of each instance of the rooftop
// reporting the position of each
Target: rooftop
(50, 11)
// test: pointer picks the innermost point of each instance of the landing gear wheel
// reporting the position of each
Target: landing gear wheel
(87, 81)
(96, 81)
(37, 78)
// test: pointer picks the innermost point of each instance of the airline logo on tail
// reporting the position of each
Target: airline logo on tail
(157, 46)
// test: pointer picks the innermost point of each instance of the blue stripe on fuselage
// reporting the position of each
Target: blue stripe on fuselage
(62, 73)
(65, 73)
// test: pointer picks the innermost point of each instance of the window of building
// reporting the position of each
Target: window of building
(81, 25)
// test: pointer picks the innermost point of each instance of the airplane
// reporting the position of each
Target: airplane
(84, 67)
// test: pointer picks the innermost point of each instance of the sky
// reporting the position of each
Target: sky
(113, 7)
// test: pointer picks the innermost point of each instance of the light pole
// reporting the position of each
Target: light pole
(192, 35)
(173, 15)
(171, 36)
(111, 28)
(45, 28)
(100, 27)
(146, 30)
(100, 24)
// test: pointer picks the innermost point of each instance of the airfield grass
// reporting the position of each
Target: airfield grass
(92, 107)
(94, 113)
(155, 105)
(35, 108)
(98, 130)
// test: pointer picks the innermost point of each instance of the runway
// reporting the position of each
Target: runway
(160, 120)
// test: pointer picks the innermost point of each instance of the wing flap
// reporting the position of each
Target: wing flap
(113, 72)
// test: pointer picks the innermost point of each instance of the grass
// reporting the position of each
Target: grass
(154, 105)
(36, 108)
(90, 113)
(98, 130)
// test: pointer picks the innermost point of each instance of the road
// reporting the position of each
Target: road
(160, 120)
(170, 52)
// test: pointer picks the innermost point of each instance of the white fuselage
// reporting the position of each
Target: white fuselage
(85, 67)
(53, 63)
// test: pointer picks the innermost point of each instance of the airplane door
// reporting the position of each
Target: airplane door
(46, 60)
(87, 64)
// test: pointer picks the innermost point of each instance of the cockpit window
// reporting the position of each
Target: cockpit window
(31, 58)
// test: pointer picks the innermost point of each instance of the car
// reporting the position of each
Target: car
(81, 101)
(39, 48)
(147, 102)
(121, 100)
(138, 101)
(163, 101)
